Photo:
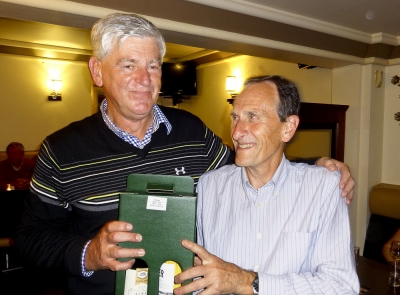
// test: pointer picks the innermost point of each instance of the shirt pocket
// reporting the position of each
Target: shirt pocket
(292, 253)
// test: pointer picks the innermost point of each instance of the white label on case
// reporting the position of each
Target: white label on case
(156, 203)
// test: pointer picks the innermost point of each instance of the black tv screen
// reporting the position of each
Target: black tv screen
(178, 79)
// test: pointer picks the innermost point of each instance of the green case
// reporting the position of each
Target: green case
(162, 208)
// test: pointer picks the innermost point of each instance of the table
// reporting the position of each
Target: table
(375, 275)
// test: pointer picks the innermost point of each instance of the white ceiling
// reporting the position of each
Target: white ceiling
(364, 16)
(368, 16)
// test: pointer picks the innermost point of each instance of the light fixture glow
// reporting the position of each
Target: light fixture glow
(230, 85)
(55, 85)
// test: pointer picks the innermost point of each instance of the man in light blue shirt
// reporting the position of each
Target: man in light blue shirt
(269, 226)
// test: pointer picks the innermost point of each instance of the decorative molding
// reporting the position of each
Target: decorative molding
(65, 6)
(239, 6)
(43, 51)
(394, 61)
(30, 45)
(385, 39)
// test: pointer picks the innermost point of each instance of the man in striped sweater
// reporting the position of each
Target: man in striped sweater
(70, 221)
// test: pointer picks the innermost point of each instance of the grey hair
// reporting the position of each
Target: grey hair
(116, 27)
(16, 144)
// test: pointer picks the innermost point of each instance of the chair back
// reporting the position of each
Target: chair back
(384, 205)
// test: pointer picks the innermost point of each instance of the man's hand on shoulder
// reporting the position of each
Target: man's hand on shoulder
(347, 182)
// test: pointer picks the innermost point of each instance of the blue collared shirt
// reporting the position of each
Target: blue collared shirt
(158, 118)
(294, 230)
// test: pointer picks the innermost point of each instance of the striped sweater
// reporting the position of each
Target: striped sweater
(78, 176)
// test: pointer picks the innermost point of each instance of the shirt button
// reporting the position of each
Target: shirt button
(260, 205)
(274, 193)
(257, 268)
(259, 236)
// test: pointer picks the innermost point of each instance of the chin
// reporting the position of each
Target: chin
(240, 162)
(142, 107)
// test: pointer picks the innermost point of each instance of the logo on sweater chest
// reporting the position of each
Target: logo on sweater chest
(178, 171)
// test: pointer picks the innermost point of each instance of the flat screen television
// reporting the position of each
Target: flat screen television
(178, 80)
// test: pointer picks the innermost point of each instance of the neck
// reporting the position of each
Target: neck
(259, 176)
(17, 166)
(136, 127)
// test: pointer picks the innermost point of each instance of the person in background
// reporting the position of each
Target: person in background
(71, 216)
(386, 247)
(265, 225)
(16, 171)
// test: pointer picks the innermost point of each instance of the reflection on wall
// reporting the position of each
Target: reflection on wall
(309, 143)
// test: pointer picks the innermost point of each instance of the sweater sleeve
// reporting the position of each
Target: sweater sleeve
(218, 154)
(42, 235)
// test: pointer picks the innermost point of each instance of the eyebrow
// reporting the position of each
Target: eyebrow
(124, 59)
(132, 60)
(247, 112)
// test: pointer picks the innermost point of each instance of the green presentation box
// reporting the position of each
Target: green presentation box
(162, 208)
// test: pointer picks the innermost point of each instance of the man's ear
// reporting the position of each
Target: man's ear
(95, 71)
(291, 124)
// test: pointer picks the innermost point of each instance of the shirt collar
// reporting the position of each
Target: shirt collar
(276, 180)
(158, 118)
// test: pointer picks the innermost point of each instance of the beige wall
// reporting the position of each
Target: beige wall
(211, 106)
(364, 143)
(25, 113)
(28, 116)
(391, 130)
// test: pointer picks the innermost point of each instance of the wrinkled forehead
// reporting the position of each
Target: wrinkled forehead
(262, 94)
(144, 46)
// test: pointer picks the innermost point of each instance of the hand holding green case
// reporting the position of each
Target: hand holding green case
(162, 208)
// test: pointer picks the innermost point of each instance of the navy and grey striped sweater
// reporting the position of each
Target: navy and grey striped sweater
(79, 173)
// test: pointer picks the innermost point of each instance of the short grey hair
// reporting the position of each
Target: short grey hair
(116, 27)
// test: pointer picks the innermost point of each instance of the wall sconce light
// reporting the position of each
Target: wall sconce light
(395, 80)
(230, 87)
(397, 116)
(55, 94)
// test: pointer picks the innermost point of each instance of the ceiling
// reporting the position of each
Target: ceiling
(368, 16)
(323, 33)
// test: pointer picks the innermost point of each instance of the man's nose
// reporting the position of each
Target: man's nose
(238, 130)
(142, 77)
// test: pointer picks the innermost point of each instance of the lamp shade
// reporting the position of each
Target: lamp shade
(230, 85)
(56, 85)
